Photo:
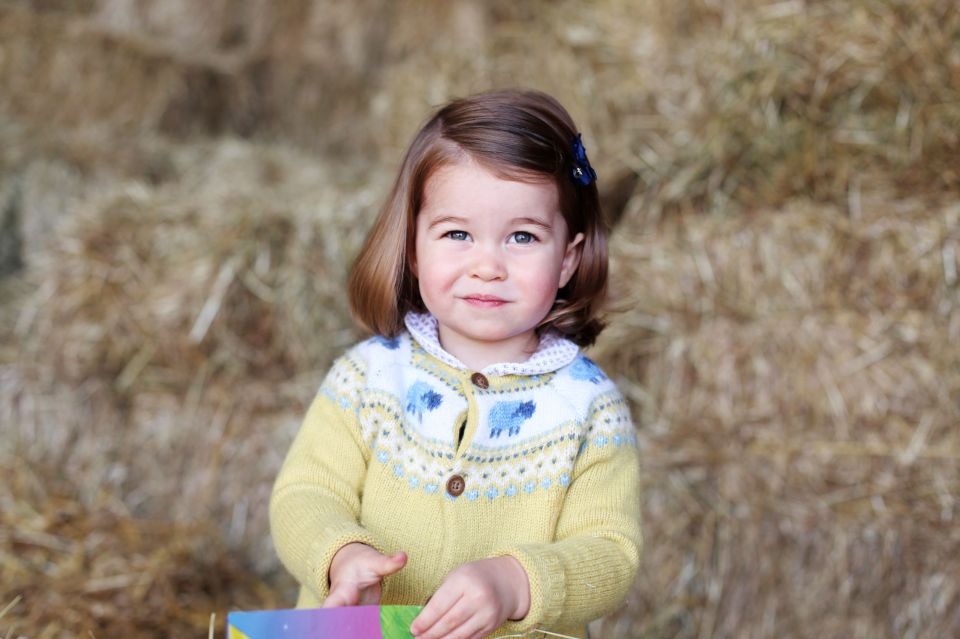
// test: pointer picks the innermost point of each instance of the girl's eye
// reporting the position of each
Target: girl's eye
(522, 237)
(457, 235)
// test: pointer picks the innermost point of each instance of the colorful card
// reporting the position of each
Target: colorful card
(356, 622)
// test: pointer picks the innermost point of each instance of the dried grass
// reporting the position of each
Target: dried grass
(230, 270)
(76, 570)
(189, 322)
(750, 104)
(793, 358)
(116, 74)
(795, 375)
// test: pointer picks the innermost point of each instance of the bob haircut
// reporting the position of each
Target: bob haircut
(525, 136)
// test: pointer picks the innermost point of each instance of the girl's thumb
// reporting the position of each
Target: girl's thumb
(393, 563)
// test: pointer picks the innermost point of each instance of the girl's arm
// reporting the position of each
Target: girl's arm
(588, 571)
(315, 505)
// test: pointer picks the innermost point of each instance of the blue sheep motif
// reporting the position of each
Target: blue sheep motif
(422, 398)
(393, 343)
(507, 416)
(583, 368)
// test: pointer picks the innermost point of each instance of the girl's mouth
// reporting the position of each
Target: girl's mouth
(484, 301)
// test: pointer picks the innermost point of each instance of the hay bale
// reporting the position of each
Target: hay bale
(189, 322)
(204, 460)
(751, 105)
(712, 105)
(79, 570)
(240, 260)
(477, 46)
(795, 377)
(78, 73)
(886, 256)
(794, 373)
(124, 87)
(44, 174)
(212, 27)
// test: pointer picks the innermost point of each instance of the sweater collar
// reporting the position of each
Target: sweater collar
(553, 353)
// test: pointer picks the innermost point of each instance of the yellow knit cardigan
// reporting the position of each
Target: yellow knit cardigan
(547, 462)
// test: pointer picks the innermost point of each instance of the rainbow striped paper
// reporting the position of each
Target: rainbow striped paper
(357, 622)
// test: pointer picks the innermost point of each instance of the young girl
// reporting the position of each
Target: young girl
(469, 457)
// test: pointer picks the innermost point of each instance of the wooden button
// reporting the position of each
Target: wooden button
(455, 485)
(480, 381)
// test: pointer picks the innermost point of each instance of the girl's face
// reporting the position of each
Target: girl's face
(490, 256)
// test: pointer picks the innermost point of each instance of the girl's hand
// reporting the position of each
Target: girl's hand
(474, 600)
(356, 573)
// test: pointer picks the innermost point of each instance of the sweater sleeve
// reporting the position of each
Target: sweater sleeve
(589, 568)
(315, 505)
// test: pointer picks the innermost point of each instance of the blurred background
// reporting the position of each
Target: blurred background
(183, 186)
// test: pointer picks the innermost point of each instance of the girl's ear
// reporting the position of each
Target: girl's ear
(571, 259)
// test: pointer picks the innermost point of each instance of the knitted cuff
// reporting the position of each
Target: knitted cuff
(547, 586)
(322, 550)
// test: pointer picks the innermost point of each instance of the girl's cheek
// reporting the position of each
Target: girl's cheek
(541, 285)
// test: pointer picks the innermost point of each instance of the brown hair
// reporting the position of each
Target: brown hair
(517, 135)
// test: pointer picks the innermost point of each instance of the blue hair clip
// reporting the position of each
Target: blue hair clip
(582, 172)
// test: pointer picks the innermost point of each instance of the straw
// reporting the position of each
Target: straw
(784, 286)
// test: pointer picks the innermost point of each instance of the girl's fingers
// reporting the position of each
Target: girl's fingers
(342, 595)
(351, 595)
(383, 566)
(362, 586)
(436, 608)
(370, 596)
(461, 621)
(475, 628)
(392, 564)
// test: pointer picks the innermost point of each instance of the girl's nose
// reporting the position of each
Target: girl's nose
(488, 265)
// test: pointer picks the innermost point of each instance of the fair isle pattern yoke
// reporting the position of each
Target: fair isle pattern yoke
(405, 449)
(524, 432)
